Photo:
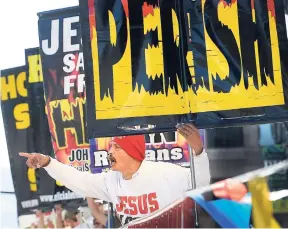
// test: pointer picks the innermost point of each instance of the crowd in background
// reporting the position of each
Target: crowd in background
(94, 216)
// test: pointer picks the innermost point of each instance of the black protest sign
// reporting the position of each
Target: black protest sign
(41, 133)
(151, 64)
(40, 128)
(63, 74)
(19, 136)
(63, 71)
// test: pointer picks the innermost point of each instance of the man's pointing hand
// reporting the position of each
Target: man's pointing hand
(36, 160)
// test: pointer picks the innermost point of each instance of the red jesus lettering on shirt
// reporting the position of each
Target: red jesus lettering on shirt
(135, 186)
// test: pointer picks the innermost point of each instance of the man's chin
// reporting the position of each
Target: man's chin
(113, 167)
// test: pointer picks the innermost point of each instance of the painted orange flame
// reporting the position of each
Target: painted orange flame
(62, 155)
(147, 9)
(252, 4)
(271, 7)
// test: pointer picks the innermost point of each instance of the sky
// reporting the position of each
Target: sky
(18, 31)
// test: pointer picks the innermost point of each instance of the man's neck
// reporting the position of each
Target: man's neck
(131, 170)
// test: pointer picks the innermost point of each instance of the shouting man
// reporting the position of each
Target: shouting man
(135, 186)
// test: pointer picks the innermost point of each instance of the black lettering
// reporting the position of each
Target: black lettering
(258, 31)
(195, 40)
(264, 42)
(139, 42)
(172, 71)
(72, 156)
(109, 54)
(85, 154)
(86, 167)
(282, 38)
(80, 168)
(79, 154)
(224, 39)
(248, 37)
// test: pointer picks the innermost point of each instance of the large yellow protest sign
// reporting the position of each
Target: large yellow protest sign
(136, 81)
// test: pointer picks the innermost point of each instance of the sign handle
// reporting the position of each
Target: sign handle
(193, 182)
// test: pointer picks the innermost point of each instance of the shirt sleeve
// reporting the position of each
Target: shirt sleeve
(202, 171)
(83, 183)
(180, 177)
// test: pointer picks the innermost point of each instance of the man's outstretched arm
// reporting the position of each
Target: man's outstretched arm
(84, 183)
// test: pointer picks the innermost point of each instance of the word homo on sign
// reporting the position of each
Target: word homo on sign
(13, 86)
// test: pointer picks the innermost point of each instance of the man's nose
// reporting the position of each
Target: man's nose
(111, 151)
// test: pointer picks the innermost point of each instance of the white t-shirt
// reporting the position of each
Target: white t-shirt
(154, 186)
(82, 225)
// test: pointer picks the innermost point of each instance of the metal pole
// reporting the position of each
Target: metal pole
(193, 182)
(5, 192)
(81, 214)
(109, 215)
(113, 225)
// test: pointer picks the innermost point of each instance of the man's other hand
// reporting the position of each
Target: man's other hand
(36, 160)
(192, 136)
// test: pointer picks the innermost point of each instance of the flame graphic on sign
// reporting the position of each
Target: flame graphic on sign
(54, 93)
(225, 91)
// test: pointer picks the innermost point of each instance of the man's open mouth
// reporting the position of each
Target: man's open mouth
(111, 160)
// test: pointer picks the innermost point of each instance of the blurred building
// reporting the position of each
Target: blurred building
(233, 151)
